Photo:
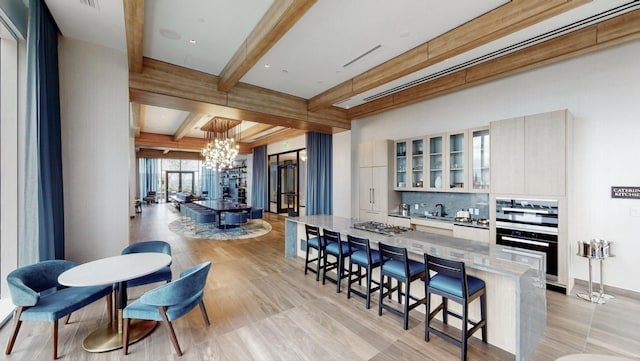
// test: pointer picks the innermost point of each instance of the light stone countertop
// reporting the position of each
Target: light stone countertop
(497, 259)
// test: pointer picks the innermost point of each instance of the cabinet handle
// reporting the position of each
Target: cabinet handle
(374, 195)
(370, 199)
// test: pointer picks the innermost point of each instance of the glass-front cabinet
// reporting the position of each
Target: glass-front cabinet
(401, 164)
(447, 162)
(457, 161)
(417, 163)
(436, 162)
(480, 159)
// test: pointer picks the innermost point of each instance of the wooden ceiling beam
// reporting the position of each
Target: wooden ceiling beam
(134, 30)
(506, 19)
(187, 124)
(278, 137)
(255, 130)
(135, 119)
(159, 153)
(608, 33)
(152, 140)
(171, 86)
(280, 17)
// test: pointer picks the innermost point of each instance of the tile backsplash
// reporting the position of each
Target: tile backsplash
(452, 202)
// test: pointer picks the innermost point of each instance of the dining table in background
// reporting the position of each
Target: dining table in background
(111, 270)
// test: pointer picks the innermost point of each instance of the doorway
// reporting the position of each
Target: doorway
(179, 181)
(285, 171)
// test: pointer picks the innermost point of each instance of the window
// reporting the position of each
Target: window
(9, 158)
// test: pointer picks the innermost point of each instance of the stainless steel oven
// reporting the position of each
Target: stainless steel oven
(530, 224)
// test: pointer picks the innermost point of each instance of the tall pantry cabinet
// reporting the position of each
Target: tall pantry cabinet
(376, 194)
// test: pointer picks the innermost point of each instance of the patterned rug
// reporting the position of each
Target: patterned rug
(251, 229)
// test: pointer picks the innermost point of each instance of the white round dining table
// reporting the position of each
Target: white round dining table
(107, 271)
(114, 269)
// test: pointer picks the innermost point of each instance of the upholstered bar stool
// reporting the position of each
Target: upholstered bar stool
(397, 265)
(315, 241)
(364, 257)
(452, 283)
(340, 250)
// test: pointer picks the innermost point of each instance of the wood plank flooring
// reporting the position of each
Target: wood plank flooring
(262, 307)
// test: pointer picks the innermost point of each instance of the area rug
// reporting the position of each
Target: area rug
(252, 229)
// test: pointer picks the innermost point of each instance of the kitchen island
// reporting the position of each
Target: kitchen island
(515, 279)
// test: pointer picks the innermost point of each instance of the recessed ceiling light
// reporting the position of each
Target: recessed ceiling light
(267, 65)
(192, 41)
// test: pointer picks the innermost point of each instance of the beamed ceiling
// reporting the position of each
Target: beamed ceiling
(287, 67)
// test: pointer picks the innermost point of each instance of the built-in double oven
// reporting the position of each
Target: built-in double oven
(530, 224)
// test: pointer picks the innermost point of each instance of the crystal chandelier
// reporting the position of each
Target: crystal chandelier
(220, 147)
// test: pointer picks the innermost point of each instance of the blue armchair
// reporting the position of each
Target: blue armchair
(170, 302)
(39, 297)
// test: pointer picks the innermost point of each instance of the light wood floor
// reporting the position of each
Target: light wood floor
(263, 307)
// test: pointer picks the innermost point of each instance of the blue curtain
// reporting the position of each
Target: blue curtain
(149, 175)
(208, 181)
(259, 183)
(319, 174)
(42, 220)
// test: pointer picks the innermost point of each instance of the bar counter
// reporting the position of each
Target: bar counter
(515, 278)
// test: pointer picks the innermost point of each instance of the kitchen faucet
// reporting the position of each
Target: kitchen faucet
(440, 210)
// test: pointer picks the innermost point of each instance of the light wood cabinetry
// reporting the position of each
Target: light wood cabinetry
(376, 196)
(436, 162)
(471, 233)
(528, 154)
(399, 221)
(457, 161)
(431, 226)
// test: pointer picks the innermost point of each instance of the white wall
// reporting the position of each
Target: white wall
(342, 155)
(601, 90)
(94, 96)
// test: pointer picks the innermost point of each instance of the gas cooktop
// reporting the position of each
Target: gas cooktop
(381, 228)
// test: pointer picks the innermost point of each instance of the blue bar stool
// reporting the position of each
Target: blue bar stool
(315, 241)
(363, 257)
(396, 264)
(452, 283)
(340, 251)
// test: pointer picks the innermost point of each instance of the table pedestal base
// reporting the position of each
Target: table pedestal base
(108, 338)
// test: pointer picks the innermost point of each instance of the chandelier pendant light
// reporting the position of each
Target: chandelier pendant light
(222, 143)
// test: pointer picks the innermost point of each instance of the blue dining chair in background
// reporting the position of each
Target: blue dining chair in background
(170, 302)
(40, 297)
(162, 275)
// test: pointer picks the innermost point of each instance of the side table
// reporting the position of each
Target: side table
(599, 250)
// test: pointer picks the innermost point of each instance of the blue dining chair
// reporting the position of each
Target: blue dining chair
(170, 302)
(40, 297)
(162, 275)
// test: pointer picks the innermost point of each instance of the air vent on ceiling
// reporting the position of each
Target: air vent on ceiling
(362, 55)
(591, 20)
(95, 4)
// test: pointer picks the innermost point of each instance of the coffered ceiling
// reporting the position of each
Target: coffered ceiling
(285, 67)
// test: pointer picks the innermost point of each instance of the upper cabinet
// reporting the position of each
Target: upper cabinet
(480, 155)
(374, 154)
(401, 164)
(457, 152)
(528, 154)
(436, 162)
(409, 164)
(448, 162)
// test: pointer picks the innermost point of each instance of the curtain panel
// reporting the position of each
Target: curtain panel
(259, 183)
(42, 198)
(319, 198)
(149, 175)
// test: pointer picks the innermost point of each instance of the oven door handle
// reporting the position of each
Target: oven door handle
(534, 243)
(523, 210)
